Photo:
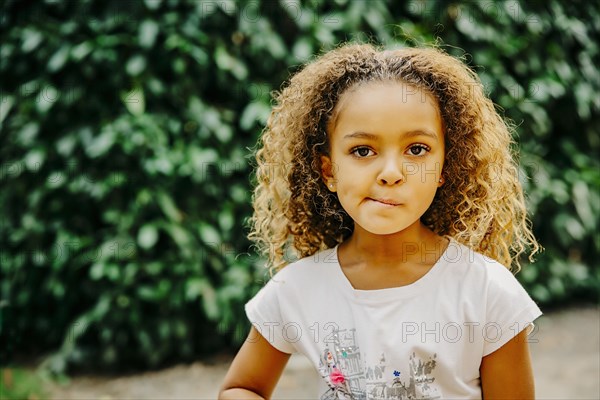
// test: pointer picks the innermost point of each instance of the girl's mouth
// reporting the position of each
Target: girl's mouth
(387, 202)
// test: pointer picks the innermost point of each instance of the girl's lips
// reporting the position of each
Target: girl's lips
(387, 202)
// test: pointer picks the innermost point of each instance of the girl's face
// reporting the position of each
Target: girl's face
(387, 154)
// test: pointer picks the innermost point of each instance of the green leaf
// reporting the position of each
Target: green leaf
(58, 59)
(80, 51)
(31, 40)
(147, 236)
(209, 234)
(148, 293)
(168, 206)
(153, 4)
(97, 271)
(182, 238)
(194, 288)
(134, 100)
(209, 302)
(148, 32)
(255, 111)
(102, 143)
(136, 65)
(28, 133)
(46, 98)
(581, 200)
(6, 104)
(228, 63)
(35, 159)
(226, 220)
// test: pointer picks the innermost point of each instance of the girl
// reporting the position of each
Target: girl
(392, 175)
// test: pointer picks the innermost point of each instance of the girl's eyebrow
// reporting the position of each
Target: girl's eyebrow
(410, 134)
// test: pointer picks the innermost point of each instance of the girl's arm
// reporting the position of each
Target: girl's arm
(254, 371)
(506, 373)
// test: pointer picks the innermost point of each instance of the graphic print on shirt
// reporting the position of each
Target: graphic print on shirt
(348, 376)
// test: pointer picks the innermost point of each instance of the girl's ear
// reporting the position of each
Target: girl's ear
(327, 172)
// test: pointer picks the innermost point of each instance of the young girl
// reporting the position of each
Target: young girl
(389, 175)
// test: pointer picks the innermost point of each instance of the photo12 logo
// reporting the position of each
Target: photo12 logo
(410, 332)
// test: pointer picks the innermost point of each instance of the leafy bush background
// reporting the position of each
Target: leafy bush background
(126, 134)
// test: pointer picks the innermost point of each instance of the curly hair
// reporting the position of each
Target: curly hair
(481, 204)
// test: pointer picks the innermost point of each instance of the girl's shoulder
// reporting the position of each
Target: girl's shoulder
(308, 267)
(464, 260)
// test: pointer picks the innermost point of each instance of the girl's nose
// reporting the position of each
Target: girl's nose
(391, 173)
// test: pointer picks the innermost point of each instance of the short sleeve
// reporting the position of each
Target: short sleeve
(264, 313)
(509, 309)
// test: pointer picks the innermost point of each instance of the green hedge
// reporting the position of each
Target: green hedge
(126, 134)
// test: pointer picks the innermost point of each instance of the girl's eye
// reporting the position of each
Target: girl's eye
(361, 152)
(418, 150)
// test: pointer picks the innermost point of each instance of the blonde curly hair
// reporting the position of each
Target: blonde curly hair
(481, 204)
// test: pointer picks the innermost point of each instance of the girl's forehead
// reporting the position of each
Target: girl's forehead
(360, 96)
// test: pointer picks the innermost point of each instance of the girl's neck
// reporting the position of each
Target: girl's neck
(415, 244)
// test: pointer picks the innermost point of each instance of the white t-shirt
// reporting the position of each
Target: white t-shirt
(424, 340)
